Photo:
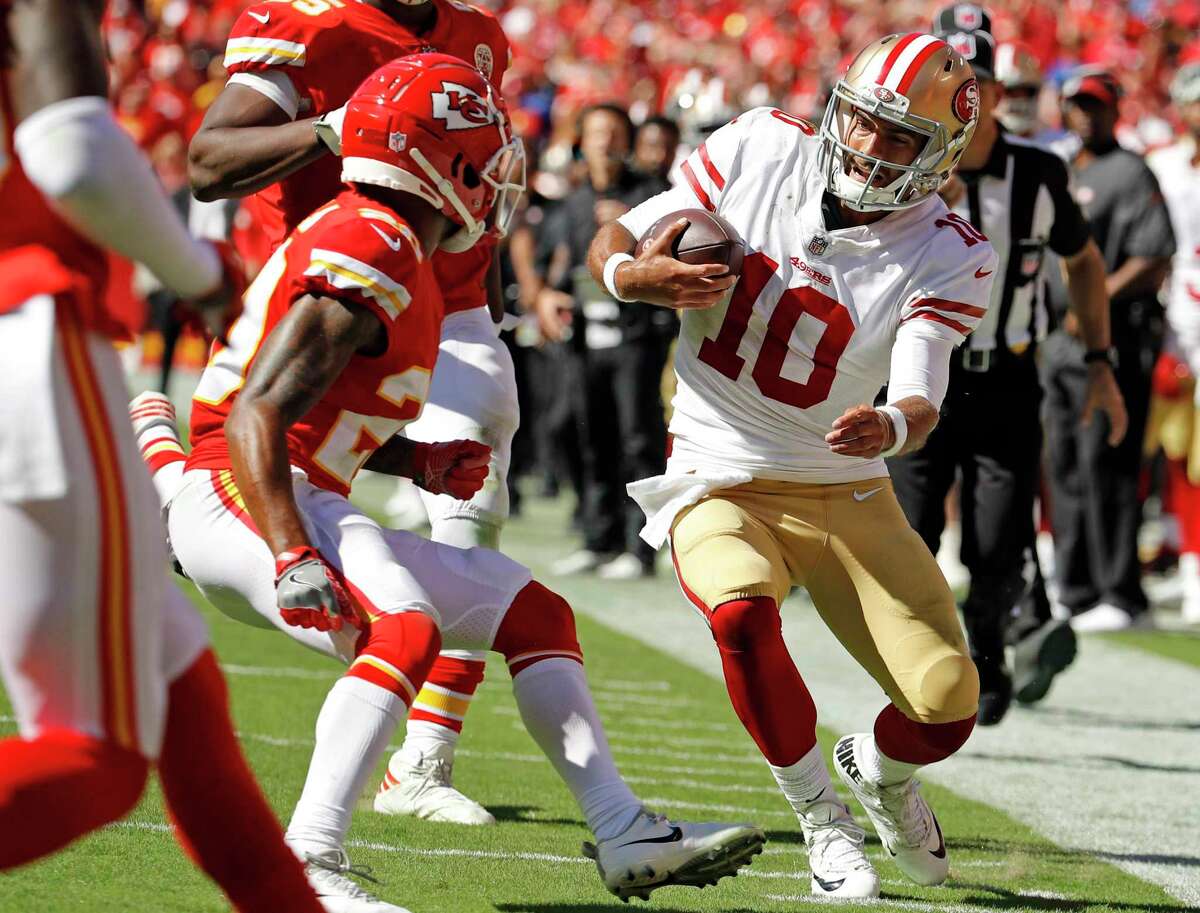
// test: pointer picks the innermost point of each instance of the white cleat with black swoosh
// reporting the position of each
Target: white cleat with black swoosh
(839, 866)
(905, 823)
(654, 852)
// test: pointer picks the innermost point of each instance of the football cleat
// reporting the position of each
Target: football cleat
(906, 825)
(422, 789)
(1039, 656)
(328, 872)
(654, 852)
(839, 865)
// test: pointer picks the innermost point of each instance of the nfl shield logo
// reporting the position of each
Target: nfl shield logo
(817, 245)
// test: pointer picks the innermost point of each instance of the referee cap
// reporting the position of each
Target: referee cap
(968, 29)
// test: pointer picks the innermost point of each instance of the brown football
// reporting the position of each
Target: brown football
(707, 239)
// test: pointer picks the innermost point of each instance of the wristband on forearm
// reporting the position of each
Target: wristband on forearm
(899, 430)
(610, 274)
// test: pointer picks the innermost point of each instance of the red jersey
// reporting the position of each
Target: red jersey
(355, 250)
(39, 252)
(325, 49)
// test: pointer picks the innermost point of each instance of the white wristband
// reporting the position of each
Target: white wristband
(899, 429)
(610, 274)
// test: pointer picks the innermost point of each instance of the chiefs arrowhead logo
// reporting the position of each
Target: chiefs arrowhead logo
(966, 101)
(461, 108)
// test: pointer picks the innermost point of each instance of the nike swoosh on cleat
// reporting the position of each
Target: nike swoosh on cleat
(863, 495)
(674, 837)
(940, 852)
(830, 886)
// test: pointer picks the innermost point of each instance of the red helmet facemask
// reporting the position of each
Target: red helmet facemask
(432, 125)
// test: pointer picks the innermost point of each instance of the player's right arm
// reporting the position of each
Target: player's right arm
(83, 163)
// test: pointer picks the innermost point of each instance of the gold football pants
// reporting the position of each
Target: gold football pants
(870, 576)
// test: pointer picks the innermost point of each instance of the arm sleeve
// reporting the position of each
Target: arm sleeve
(1150, 234)
(356, 262)
(275, 85)
(90, 170)
(1070, 231)
(920, 363)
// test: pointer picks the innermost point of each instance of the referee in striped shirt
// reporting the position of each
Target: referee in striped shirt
(990, 433)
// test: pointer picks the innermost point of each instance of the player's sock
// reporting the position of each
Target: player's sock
(537, 638)
(60, 786)
(157, 433)
(465, 532)
(766, 690)
(1185, 504)
(223, 819)
(436, 717)
(805, 781)
(355, 724)
(899, 747)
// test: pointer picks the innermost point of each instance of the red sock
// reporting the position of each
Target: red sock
(59, 787)
(446, 695)
(1185, 504)
(224, 822)
(913, 742)
(764, 686)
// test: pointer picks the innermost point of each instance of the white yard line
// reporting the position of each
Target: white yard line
(1108, 765)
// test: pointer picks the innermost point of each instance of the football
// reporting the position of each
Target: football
(707, 239)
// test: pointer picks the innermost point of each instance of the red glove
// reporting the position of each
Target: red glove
(455, 468)
(308, 591)
(1168, 377)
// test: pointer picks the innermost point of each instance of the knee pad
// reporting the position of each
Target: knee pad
(538, 625)
(396, 653)
(741, 623)
(949, 689)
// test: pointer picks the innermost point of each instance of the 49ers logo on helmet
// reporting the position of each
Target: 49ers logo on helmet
(966, 101)
(461, 108)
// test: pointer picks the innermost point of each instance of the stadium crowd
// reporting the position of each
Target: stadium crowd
(671, 72)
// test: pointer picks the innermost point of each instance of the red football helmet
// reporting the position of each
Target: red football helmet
(432, 125)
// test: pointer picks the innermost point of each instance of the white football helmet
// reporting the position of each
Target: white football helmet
(917, 82)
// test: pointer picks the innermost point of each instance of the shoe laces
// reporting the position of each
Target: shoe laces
(333, 868)
(905, 806)
(836, 842)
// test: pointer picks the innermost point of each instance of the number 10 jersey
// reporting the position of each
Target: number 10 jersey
(820, 319)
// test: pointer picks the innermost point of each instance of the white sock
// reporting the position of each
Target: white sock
(557, 708)
(879, 768)
(353, 728)
(805, 781)
(465, 532)
(425, 739)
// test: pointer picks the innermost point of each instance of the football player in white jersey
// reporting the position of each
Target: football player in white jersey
(1174, 417)
(855, 275)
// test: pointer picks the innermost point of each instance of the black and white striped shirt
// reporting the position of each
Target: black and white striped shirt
(1021, 200)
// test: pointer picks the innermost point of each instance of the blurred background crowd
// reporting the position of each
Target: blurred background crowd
(607, 96)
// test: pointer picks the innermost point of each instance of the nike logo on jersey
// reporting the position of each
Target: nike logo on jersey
(674, 837)
(264, 18)
(393, 243)
(979, 273)
(863, 495)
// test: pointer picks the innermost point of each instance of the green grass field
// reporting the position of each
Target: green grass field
(675, 738)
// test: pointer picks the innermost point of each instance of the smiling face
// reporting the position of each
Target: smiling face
(881, 139)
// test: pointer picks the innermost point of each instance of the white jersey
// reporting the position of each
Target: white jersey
(1179, 180)
(815, 320)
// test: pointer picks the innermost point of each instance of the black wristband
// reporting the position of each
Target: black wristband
(1108, 356)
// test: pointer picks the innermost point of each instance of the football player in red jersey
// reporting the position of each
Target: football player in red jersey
(272, 130)
(330, 358)
(108, 669)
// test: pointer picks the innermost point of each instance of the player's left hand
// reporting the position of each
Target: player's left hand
(455, 468)
(328, 128)
(309, 592)
(1103, 395)
(861, 431)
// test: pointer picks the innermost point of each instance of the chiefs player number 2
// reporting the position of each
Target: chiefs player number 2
(721, 352)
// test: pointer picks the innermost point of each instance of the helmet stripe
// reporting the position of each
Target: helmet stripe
(915, 67)
(903, 64)
(897, 50)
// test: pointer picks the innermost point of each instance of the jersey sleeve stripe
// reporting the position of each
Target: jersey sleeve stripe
(345, 272)
(690, 175)
(710, 167)
(938, 318)
(271, 51)
(956, 307)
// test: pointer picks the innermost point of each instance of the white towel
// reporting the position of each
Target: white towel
(661, 498)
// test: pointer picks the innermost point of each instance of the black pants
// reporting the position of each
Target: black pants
(622, 439)
(1094, 504)
(990, 436)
